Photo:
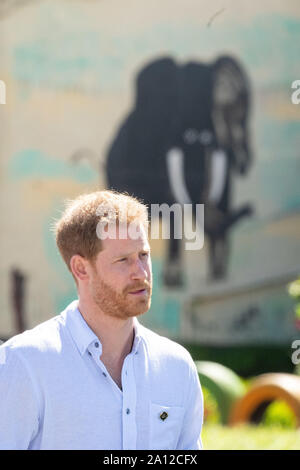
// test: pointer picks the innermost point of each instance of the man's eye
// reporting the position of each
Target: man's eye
(145, 254)
(122, 259)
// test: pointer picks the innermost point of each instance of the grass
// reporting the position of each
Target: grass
(249, 437)
(277, 429)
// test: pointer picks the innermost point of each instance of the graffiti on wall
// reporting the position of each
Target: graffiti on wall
(184, 142)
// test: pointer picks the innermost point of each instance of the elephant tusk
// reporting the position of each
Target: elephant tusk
(218, 176)
(175, 169)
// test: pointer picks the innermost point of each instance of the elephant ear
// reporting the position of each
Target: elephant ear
(230, 82)
(230, 111)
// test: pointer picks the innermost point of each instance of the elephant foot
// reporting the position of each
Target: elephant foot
(173, 276)
(246, 211)
(235, 216)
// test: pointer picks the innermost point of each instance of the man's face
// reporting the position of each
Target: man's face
(121, 281)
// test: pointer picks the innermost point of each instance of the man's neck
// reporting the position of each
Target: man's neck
(115, 334)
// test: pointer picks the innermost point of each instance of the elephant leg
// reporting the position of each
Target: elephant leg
(173, 271)
(219, 244)
(219, 249)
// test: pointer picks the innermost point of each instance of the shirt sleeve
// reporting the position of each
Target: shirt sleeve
(190, 436)
(18, 402)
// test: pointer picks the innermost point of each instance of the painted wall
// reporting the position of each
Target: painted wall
(70, 69)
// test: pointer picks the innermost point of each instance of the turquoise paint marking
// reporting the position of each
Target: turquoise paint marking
(61, 58)
(62, 300)
(97, 60)
(35, 164)
(63, 291)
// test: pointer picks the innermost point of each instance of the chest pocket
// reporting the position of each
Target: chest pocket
(165, 426)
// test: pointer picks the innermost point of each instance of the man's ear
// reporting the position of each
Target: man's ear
(78, 265)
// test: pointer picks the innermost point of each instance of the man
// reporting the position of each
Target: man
(93, 377)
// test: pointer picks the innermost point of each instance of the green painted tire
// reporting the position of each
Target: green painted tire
(224, 384)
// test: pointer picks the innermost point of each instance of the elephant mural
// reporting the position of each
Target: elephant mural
(182, 143)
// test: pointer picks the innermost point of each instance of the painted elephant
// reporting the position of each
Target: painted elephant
(183, 141)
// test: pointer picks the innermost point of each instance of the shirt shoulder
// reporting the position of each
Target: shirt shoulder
(45, 337)
(165, 349)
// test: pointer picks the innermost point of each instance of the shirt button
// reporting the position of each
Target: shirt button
(127, 411)
(104, 374)
(89, 353)
(96, 345)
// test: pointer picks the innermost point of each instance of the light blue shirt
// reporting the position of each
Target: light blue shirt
(56, 393)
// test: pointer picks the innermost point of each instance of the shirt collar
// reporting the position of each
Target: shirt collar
(83, 335)
(137, 335)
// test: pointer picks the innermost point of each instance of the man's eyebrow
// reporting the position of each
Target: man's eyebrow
(124, 255)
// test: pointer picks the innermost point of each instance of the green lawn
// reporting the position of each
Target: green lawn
(249, 437)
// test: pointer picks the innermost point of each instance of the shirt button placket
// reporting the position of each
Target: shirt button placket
(129, 405)
(97, 358)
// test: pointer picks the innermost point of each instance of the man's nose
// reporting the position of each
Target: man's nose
(139, 270)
